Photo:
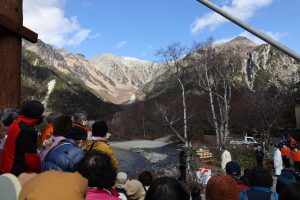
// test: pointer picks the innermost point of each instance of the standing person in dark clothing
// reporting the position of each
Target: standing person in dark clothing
(286, 178)
(196, 193)
(261, 183)
(20, 149)
(296, 159)
(259, 155)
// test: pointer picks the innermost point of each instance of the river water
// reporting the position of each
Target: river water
(133, 163)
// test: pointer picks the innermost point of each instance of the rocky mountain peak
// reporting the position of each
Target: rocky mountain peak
(126, 70)
(262, 66)
(111, 77)
(240, 45)
(241, 40)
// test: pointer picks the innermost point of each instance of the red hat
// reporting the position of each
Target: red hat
(221, 187)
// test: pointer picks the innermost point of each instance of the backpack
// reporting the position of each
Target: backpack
(62, 157)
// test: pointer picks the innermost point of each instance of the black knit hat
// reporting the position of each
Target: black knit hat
(233, 168)
(62, 125)
(99, 128)
(76, 133)
(32, 109)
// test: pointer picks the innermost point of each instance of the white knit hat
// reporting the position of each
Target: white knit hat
(121, 180)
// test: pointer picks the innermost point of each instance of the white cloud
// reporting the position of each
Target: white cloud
(242, 9)
(46, 17)
(276, 36)
(121, 44)
(95, 36)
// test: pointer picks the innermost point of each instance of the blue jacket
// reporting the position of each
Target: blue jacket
(258, 193)
(63, 157)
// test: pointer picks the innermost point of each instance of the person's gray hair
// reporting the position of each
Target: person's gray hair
(80, 115)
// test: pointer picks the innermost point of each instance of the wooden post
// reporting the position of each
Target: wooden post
(11, 33)
(10, 56)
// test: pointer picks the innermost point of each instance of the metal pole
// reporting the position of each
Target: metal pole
(250, 29)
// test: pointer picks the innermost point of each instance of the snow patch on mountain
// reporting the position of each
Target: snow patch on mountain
(51, 86)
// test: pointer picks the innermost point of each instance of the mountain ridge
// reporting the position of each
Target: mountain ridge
(119, 79)
(260, 62)
(117, 88)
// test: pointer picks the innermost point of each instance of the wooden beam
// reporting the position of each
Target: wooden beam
(19, 30)
(10, 56)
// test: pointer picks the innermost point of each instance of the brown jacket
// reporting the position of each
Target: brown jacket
(56, 185)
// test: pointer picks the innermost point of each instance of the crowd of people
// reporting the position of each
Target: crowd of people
(70, 160)
(256, 183)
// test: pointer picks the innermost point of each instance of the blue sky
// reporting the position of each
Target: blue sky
(138, 28)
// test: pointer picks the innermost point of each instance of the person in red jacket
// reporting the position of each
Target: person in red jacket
(285, 153)
(296, 159)
(46, 134)
(20, 149)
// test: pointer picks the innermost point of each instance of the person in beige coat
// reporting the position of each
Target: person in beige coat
(56, 185)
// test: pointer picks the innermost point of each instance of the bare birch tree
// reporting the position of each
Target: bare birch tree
(270, 106)
(172, 56)
(216, 71)
(269, 111)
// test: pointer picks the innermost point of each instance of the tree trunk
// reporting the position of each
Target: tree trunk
(184, 113)
(213, 112)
